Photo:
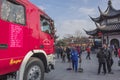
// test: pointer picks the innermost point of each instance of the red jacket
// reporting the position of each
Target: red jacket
(119, 52)
(88, 49)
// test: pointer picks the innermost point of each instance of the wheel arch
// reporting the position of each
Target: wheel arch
(42, 57)
(40, 54)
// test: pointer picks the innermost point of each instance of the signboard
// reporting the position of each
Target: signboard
(16, 36)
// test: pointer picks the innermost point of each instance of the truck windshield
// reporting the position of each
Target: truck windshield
(12, 12)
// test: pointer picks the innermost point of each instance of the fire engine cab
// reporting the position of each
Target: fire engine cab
(26, 41)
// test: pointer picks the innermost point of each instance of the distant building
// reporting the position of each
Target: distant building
(107, 26)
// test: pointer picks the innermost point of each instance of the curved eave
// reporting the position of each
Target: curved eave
(92, 32)
(108, 13)
(111, 12)
(98, 19)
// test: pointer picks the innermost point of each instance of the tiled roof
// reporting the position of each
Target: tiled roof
(109, 12)
(106, 28)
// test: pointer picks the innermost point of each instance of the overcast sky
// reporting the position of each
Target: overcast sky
(73, 15)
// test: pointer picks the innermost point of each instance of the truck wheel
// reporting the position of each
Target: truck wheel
(34, 70)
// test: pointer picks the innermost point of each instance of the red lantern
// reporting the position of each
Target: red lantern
(99, 34)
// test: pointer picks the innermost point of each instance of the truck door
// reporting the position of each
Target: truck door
(12, 21)
(46, 40)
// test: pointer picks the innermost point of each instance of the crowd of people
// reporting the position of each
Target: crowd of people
(72, 53)
(104, 55)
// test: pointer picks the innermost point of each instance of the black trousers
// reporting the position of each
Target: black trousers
(109, 65)
(68, 57)
(88, 55)
(104, 68)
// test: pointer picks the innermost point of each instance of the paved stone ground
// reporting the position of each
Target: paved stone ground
(90, 70)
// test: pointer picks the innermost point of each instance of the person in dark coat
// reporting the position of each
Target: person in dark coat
(116, 51)
(74, 58)
(68, 53)
(58, 51)
(102, 61)
(61, 51)
(109, 59)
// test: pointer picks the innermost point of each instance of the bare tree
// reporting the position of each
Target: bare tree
(78, 34)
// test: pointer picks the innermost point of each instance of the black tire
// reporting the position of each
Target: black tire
(34, 70)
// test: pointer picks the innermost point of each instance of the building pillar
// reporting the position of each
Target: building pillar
(107, 40)
(103, 40)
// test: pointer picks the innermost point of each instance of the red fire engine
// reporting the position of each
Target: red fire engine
(26, 40)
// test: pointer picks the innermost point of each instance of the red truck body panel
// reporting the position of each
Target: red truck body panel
(17, 40)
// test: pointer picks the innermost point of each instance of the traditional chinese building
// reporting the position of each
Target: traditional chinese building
(107, 26)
